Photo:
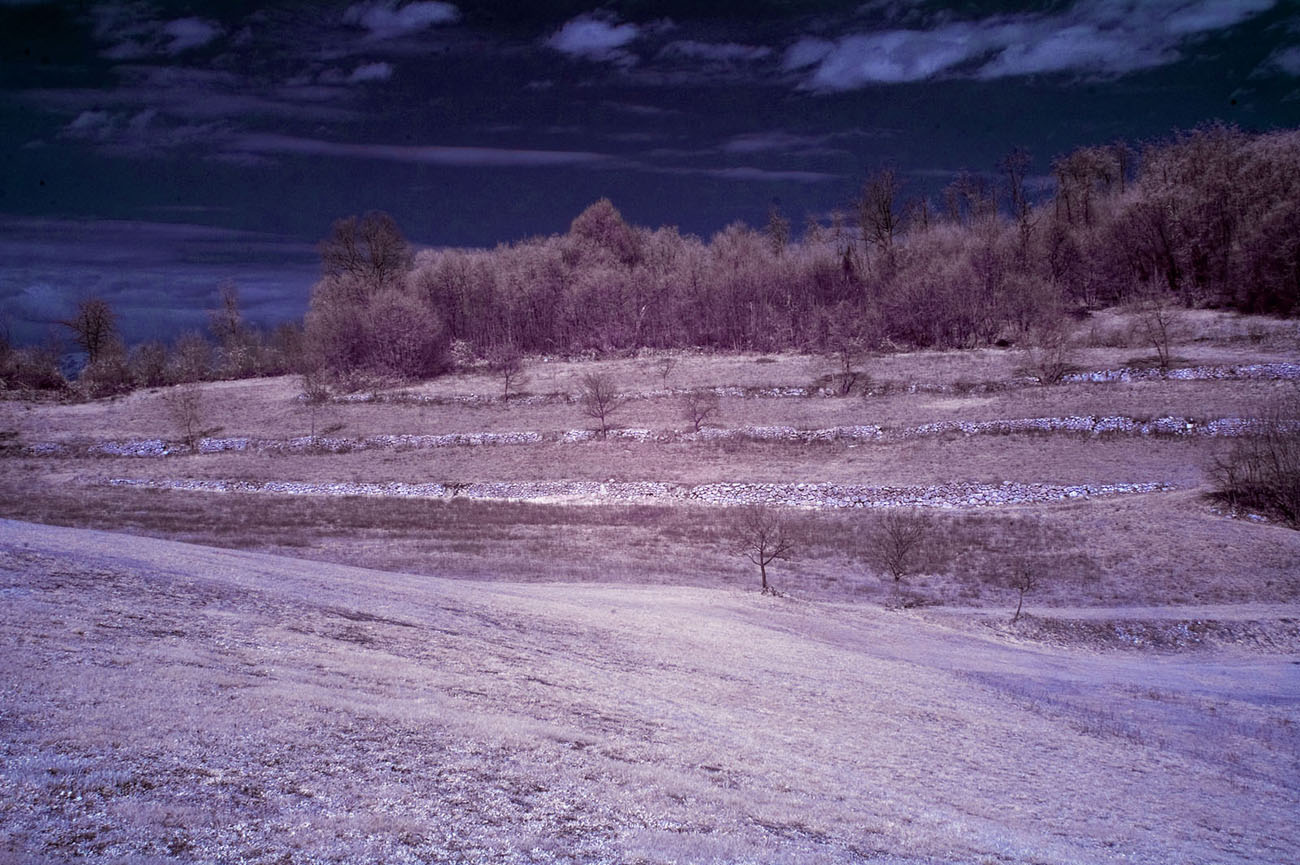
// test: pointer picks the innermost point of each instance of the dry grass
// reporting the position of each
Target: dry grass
(1194, 555)
(1164, 549)
(298, 712)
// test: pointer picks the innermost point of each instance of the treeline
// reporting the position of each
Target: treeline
(232, 348)
(1208, 218)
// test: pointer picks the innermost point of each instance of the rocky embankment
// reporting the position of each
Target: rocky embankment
(1279, 371)
(807, 495)
(1083, 425)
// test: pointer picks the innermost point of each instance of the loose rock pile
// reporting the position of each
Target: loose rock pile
(1075, 424)
(805, 495)
(1231, 372)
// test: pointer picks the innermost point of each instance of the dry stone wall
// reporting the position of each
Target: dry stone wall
(798, 495)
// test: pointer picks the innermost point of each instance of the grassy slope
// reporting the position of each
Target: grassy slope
(305, 712)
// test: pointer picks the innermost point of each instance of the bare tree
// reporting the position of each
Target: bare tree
(666, 365)
(763, 537)
(877, 210)
(226, 321)
(1159, 322)
(508, 364)
(1261, 471)
(700, 405)
(371, 249)
(598, 399)
(185, 406)
(778, 230)
(1049, 355)
(845, 347)
(93, 326)
(896, 543)
(1021, 575)
(1015, 167)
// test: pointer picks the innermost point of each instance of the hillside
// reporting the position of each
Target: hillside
(300, 712)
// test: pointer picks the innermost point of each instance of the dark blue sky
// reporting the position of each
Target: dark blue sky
(150, 150)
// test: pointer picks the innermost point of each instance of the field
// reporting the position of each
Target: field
(428, 623)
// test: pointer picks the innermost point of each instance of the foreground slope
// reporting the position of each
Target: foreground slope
(191, 704)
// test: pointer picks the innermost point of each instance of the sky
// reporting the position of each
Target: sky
(150, 151)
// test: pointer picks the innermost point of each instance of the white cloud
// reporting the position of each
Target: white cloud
(187, 33)
(595, 38)
(426, 154)
(764, 142)
(130, 31)
(371, 72)
(90, 124)
(806, 52)
(1100, 37)
(387, 19)
(1285, 60)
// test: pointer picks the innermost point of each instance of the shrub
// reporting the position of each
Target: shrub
(1261, 471)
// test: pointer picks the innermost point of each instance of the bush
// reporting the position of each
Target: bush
(107, 375)
(1261, 471)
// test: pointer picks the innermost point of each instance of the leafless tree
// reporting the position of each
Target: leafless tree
(762, 536)
(895, 544)
(700, 405)
(1015, 167)
(191, 358)
(1261, 470)
(1022, 574)
(371, 249)
(666, 365)
(778, 230)
(226, 321)
(148, 363)
(1159, 322)
(599, 399)
(507, 362)
(93, 326)
(1049, 355)
(845, 345)
(186, 408)
(877, 210)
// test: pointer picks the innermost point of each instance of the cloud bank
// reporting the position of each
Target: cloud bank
(1094, 37)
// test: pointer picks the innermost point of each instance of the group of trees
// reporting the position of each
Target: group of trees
(892, 545)
(232, 348)
(1206, 218)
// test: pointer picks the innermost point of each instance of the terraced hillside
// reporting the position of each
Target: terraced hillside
(1102, 477)
(453, 625)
